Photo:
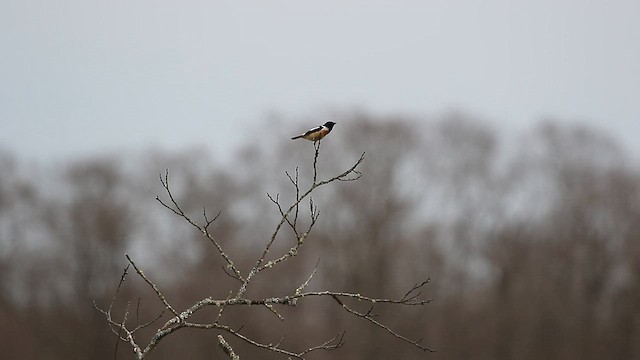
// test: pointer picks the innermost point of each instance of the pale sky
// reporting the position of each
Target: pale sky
(80, 77)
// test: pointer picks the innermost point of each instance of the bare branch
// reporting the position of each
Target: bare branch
(413, 293)
(316, 146)
(304, 284)
(120, 330)
(176, 209)
(331, 344)
(153, 286)
(236, 333)
(227, 348)
(276, 201)
(289, 216)
(233, 276)
(121, 327)
(257, 267)
(222, 307)
(115, 295)
(209, 222)
(273, 310)
(367, 316)
(148, 323)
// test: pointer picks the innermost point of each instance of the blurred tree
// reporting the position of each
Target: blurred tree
(533, 245)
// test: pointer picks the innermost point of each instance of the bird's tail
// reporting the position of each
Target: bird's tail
(297, 137)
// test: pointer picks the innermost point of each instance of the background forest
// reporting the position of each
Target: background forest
(532, 243)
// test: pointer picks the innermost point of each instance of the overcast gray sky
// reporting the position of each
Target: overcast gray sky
(83, 77)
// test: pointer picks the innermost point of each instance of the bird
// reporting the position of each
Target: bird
(317, 132)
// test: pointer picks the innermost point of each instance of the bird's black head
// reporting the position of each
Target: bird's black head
(329, 124)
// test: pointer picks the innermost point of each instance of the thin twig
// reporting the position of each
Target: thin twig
(176, 209)
(122, 325)
(369, 318)
(209, 222)
(304, 284)
(331, 344)
(153, 286)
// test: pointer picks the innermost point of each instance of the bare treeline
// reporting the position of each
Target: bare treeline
(532, 244)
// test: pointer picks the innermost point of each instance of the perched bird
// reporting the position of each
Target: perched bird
(317, 133)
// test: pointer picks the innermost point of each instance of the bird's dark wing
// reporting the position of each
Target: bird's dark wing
(315, 129)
